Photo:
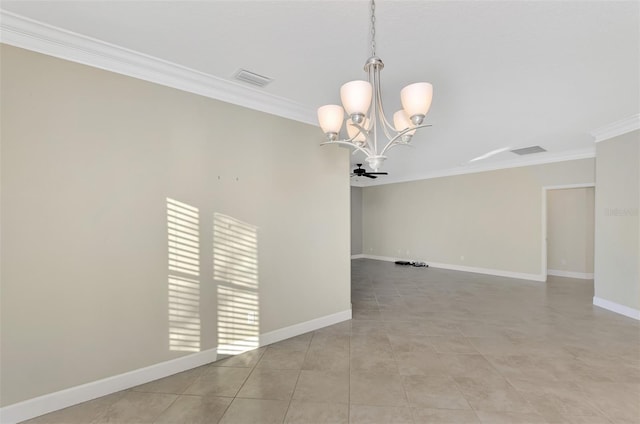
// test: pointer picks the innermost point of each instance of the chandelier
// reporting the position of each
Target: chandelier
(362, 101)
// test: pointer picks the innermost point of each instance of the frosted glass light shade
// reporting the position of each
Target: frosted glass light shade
(330, 118)
(401, 121)
(416, 98)
(356, 97)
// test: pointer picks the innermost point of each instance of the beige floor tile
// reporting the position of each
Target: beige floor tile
(367, 343)
(188, 409)
(452, 344)
(377, 389)
(530, 383)
(469, 366)
(554, 401)
(576, 419)
(400, 343)
(137, 407)
(419, 363)
(492, 395)
(364, 328)
(330, 342)
(365, 414)
(497, 345)
(175, 384)
(444, 416)
(366, 314)
(434, 391)
(434, 327)
(404, 329)
(282, 359)
(528, 366)
(303, 412)
(265, 383)
(85, 412)
(255, 411)
(322, 386)
(318, 359)
(493, 417)
(373, 361)
(299, 343)
(219, 381)
(620, 402)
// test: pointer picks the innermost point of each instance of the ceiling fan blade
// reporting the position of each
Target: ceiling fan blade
(378, 173)
(369, 176)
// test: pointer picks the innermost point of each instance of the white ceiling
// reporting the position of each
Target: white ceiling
(505, 73)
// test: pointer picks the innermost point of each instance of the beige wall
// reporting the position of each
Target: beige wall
(88, 160)
(570, 229)
(356, 220)
(617, 254)
(490, 220)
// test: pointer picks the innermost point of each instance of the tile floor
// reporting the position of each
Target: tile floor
(424, 346)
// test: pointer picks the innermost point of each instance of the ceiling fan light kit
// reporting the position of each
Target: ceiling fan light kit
(362, 101)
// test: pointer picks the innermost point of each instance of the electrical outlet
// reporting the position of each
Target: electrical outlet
(462, 258)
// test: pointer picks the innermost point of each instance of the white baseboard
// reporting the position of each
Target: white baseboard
(570, 274)
(304, 327)
(74, 395)
(380, 258)
(358, 256)
(487, 271)
(617, 308)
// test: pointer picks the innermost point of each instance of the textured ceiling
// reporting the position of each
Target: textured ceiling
(505, 74)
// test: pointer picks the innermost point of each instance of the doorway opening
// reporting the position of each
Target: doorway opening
(568, 231)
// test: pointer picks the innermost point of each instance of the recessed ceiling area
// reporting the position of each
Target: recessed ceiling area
(506, 74)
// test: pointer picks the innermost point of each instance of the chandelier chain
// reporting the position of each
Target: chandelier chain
(373, 27)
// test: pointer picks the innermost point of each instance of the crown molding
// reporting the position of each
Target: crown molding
(617, 128)
(539, 159)
(19, 31)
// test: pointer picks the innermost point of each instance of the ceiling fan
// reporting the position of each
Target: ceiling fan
(360, 172)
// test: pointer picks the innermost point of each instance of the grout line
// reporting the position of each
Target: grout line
(295, 386)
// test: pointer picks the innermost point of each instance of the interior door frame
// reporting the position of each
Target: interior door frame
(545, 189)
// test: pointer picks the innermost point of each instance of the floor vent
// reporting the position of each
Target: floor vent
(528, 150)
(252, 78)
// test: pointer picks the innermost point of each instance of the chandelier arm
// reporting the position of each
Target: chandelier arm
(348, 143)
(363, 131)
(386, 126)
(394, 141)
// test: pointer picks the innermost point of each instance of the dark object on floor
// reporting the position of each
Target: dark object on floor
(416, 264)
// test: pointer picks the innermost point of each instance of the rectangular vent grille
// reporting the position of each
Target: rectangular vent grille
(251, 78)
(528, 150)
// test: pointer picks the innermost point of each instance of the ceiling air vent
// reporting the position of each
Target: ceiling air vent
(528, 150)
(251, 78)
